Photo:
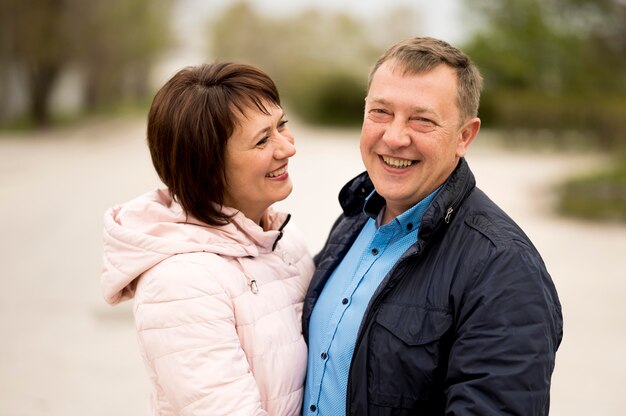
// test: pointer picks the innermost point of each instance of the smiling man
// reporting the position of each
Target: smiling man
(428, 299)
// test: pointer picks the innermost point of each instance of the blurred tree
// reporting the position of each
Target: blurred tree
(554, 46)
(320, 61)
(281, 46)
(557, 64)
(35, 40)
(125, 37)
(112, 42)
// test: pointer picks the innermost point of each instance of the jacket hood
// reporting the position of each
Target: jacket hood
(147, 230)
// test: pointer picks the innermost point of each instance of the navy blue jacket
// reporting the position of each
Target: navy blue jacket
(467, 322)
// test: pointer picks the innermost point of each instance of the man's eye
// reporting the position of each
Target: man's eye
(422, 124)
(378, 112)
(379, 115)
(282, 124)
(423, 120)
(263, 141)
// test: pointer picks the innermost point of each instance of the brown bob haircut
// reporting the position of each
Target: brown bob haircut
(190, 120)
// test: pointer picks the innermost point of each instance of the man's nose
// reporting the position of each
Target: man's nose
(396, 134)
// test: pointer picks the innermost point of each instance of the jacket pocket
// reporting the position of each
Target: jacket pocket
(407, 356)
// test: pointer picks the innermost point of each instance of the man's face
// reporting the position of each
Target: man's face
(412, 135)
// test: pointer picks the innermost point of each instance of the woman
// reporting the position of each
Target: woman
(218, 278)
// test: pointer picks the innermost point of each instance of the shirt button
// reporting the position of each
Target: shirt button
(344, 301)
(374, 251)
(313, 407)
(323, 355)
(409, 226)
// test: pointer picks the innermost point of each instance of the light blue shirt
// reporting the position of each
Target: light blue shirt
(338, 313)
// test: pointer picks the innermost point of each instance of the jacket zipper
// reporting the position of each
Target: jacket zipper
(448, 215)
(254, 288)
(376, 301)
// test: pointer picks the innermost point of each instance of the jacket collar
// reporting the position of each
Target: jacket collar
(353, 195)
(455, 189)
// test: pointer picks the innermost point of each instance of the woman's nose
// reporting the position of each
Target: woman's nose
(286, 147)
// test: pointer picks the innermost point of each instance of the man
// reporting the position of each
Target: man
(428, 299)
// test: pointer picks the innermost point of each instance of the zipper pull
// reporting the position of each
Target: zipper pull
(448, 215)
(253, 287)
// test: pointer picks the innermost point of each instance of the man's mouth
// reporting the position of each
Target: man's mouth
(397, 163)
(277, 172)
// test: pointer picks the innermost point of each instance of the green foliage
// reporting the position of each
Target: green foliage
(602, 121)
(319, 61)
(125, 38)
(601, 196)
(111, 43)
(333, 99)
(559, 66)
(554, 64)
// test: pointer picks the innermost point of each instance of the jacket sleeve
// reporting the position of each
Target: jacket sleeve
(509, 326)
(186, 329)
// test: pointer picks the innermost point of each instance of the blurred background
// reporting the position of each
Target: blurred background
(76, 81)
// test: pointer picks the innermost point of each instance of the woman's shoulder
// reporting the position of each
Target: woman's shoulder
(189, 275)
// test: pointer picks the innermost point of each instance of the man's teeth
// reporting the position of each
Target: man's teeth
(397, 163)
(277, 172)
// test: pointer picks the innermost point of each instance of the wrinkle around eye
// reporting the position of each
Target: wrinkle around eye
(423, 122)
(423, 127)
(379, 116)
(262, 142)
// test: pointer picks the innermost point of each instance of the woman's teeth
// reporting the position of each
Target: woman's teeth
(397, 163)
(277, 172)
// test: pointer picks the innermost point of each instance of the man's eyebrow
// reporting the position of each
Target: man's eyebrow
(379, 101)
(414, 110)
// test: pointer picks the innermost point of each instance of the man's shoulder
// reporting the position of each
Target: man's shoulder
(483, 216)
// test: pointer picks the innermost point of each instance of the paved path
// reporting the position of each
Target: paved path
(65, 352)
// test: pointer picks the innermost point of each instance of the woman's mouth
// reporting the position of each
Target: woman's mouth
(397, 163)
(276, 173)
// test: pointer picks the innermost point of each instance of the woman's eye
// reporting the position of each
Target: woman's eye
(282, 124)
(263, 141)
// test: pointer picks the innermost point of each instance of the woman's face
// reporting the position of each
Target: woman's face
(256, 160)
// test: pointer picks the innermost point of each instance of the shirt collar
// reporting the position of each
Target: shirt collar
(408, 220)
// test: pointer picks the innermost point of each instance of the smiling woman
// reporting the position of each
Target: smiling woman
(257, 156)
(217, 276)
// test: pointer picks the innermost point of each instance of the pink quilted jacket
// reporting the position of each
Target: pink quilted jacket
(217, 309)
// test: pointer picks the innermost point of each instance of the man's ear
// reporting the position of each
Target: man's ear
(467, 134)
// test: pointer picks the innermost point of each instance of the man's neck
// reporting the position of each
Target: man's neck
(390, 213)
